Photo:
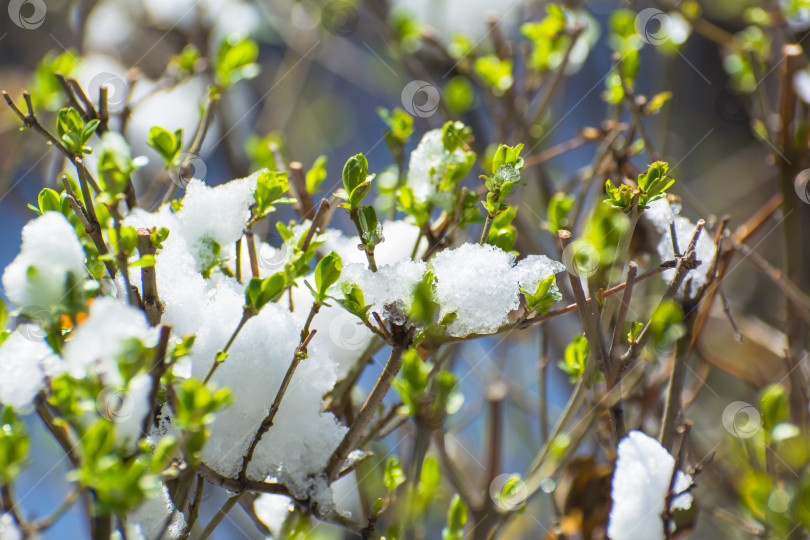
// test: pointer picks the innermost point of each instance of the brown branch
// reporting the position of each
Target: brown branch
(151, 302)
(369, 409)
(299, 354)
(299, 182)
(156, 371)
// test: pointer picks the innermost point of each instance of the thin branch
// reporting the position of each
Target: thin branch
(323, 210)
(151, 302)
(299, 354)
(247, 314)
(299, 183)
(67, 88)
(92, 229)
(557, 77)
(193, 508)
(156, 372)
(219, 516)
(355, 433)
(254, 260)
(368, 250)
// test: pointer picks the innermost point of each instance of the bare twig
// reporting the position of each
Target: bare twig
(355, 433)
(299, 354)
(149, 293)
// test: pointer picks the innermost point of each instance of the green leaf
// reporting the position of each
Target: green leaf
(558, 208)
(424, 306)
(635, 331)
(236, 60)
(393, 476)
(72, 130)
(459, 94)
(354, 301)
(457, 516)
(270, 189)
(455, 135)
(48, 200)
(496, 72)
(260, 292)
(115, 163)
(14, 444)
(400, 127)
(507, 155)
(543, 297)
(371, 228)
(144, 261)
(378, 505)
(576, 356)
(356, 180)
(327, 272)
(316, 175)
(158, 236)
(167, 144)
(666, 324)
(774, 403)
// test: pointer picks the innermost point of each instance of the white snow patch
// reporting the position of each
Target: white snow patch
(641, 482)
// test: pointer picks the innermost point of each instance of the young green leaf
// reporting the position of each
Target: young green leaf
(774, 403)
(167, 144)
(49, 201)
(270, 189)
(316, 175)
(393, 476)
(457, 516)
(327, 272)
(260, 292)
(576, 356)
(236, 60)
(73, 132)
(543, 296)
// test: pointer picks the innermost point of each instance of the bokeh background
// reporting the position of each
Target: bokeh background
(325, 69)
